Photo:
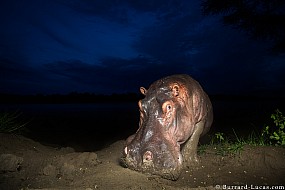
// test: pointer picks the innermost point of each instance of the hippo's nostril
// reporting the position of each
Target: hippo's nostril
(147, 156)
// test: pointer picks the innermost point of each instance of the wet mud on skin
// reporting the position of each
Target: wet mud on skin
(26, 164)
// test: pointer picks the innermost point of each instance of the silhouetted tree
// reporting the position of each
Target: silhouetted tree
(261, 19)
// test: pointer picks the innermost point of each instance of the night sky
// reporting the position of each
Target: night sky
(104, 47)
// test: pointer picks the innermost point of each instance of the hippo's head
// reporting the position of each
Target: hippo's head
(155, 147)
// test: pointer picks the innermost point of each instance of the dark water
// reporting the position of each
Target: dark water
(89, 127)
(82, 126)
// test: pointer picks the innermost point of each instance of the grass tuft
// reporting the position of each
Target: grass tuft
(268, 136)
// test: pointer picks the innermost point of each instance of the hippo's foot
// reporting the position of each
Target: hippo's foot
(190, 157)
(190, 161)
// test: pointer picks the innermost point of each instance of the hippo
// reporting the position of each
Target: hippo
(174, 113)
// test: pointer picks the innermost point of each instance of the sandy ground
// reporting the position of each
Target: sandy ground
(26, 164)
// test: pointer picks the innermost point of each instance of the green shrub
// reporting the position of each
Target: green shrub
(275, 134)
(270, 135)
(219, 137)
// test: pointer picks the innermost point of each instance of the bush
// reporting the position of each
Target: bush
(275, 134)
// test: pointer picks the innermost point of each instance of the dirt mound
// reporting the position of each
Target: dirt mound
(30, 165)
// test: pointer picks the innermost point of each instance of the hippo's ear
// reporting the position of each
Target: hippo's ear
(175, 90)
(143, 90)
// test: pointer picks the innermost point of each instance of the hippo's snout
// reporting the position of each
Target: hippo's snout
(153, 161)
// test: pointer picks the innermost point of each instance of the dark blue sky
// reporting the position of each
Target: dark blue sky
(59, 46)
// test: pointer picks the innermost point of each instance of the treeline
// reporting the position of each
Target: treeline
(73, 97)
(76, 97)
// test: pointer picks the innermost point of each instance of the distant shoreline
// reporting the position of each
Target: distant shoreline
(75, 97)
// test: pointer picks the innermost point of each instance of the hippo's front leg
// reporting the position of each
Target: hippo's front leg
(189, 149)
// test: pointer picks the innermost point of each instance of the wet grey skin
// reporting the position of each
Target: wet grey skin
(173, 115)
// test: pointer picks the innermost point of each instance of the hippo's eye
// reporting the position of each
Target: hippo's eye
(167, 107)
